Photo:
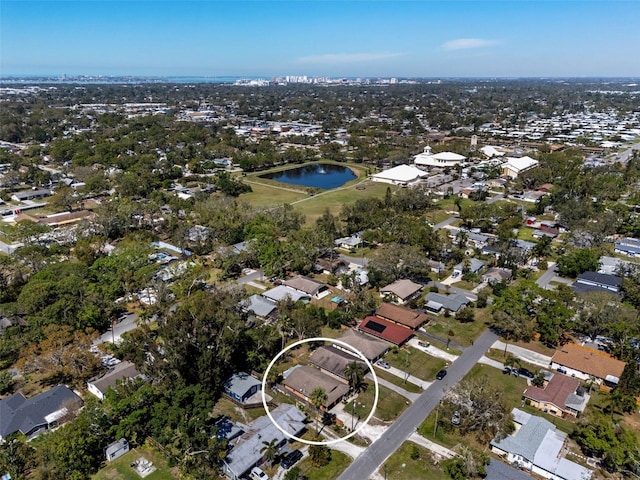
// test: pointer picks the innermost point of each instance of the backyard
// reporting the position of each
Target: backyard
(120, 468)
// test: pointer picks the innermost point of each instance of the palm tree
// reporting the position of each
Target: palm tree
(354, 372)
(270, 450)
(318, 398)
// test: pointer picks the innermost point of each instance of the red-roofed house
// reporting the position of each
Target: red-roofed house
(389, 331)
(562, 396)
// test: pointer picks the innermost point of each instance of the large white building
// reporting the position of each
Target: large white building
(442, 159)
(515, 166)
(402, 175)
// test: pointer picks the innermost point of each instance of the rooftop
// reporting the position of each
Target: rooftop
(404, 316)
(589, 361)
(386, 330)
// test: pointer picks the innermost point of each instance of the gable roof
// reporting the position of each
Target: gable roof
(453, 302)
(520, 164)
(304, 284)
(305, 379)
(589, 361)
(602, 279)
(18, 413)
(402, 288)
(259, 305)
(389, 331)
(240, 383)
(122, 371)
(333, 360)
(371, 348)
(403, 316)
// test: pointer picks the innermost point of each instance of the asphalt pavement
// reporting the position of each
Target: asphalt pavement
(365, 465)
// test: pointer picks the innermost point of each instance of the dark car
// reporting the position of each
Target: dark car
(441, 374)
(291, 459)
(523, 372)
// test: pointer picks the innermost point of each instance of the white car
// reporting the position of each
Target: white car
(258, 474)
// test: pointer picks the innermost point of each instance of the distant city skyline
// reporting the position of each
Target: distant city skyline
(429, 39)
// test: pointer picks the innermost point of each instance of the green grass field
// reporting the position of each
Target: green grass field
(331, 471)
(120, 468)
(463, 333)
(417, 363)
(390, 404)
(401, 465)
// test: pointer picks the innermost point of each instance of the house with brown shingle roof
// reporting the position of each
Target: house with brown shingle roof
(401, 291)
(562, 396)
(308, 286)
(584, 362)
(402, 315)
(371, 348)
(304, 379)
(333, 361)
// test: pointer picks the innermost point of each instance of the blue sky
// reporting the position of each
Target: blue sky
(333, 38)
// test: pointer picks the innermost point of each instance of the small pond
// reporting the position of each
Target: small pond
(319, 175)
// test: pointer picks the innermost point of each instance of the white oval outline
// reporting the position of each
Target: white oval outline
(320, 339)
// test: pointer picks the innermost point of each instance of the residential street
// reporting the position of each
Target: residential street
(366, 464)
(547, 276)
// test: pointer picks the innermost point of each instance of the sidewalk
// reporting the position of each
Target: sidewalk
(406, 394)
(436, 448)
(423, 384)
(433, 351)
(491, 363)
(532, 357)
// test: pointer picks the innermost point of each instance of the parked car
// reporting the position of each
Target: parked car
(258, 474)
(456, 418)
(383, 364)
(441, 374)
(523, 372)
(291, 459)
(508, 370)
(562, 370)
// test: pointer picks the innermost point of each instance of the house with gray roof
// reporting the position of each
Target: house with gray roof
(333, 361)
(260, 306)
(537, 446)
(596, 282)
(628, 246)
(37, 414)
(245, 450)
(308, 286)
(437, 302)
(281, 292)
(474, 266)
(121, 372)
(241, 386)
(371, 348)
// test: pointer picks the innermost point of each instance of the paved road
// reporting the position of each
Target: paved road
(495, 198)
(115, 334)
(452, 289)
(445, 223)
(362, 261)
(623, 157)
(366, 464)
(525, 354)
(547, 276)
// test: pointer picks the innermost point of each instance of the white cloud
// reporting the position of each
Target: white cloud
(334, 58)
(465, 43)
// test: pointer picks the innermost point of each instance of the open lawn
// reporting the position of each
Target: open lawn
(333, 200)
(390, 404)
(331, 471)
(415, 362)
(120, 468)
(511, 388)
(463, 333)
(270, 194)
(411, 461)
(226, 407)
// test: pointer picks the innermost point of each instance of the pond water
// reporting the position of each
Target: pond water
(318, 175)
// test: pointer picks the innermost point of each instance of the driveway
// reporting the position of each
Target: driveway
(525, 354)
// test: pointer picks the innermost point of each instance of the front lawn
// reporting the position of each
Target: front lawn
(410, 462)
(390, 404)
(463, 333)
(331, 471)
(415, 362)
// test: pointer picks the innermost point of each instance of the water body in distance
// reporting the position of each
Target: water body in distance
(320, 175)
